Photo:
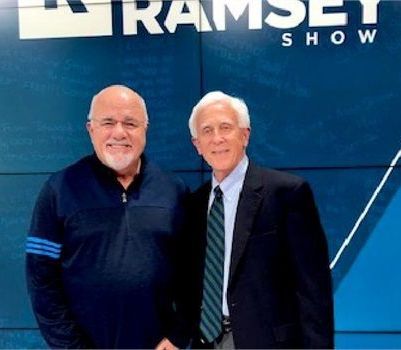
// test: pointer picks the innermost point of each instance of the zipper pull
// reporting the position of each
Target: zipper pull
(124, 197)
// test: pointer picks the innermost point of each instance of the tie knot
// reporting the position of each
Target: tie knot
(218, 192)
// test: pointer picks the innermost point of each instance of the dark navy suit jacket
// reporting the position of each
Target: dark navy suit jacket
(279, 291)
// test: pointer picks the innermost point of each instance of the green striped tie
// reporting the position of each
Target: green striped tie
(211, 315)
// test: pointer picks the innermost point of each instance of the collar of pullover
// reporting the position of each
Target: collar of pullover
(108, 175)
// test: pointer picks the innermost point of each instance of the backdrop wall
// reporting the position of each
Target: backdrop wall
(323, 86)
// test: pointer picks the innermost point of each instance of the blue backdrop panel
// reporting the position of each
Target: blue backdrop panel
(368, 297)
(21, 338)
(18, 194)
(368, 341)
(342, 195)
(323, 105)
(327, 112)
(49, 84)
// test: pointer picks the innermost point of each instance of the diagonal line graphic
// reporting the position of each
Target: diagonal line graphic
(358, 222)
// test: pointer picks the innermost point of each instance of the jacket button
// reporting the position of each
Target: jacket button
(233, 304)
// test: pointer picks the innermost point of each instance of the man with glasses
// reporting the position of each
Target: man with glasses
(103, 247)
(262, 278)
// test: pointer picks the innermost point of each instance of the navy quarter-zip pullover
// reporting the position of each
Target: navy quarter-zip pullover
(101, 260)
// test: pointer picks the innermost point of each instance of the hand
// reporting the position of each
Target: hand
(165, 344)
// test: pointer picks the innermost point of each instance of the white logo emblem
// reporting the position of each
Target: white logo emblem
(64, 18)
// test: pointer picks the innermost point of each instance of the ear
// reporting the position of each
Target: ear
(89, 128)
(246, 132)
(197, 145)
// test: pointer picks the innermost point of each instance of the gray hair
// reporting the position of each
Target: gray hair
(123, 87)
(235, 103)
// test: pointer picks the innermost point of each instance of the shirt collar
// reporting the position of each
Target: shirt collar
(234, 180)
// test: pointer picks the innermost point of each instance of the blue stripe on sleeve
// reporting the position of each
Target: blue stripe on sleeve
(42, 247)
(43, 252)
(43, 241)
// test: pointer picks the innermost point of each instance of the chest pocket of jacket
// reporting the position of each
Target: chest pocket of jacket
(261, 235)
(263, 247)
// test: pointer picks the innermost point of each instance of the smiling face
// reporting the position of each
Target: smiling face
(219, 139)
(118, 129)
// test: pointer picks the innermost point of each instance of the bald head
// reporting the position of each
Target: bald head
(118, 95)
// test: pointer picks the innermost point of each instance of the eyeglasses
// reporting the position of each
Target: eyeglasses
(110, 123)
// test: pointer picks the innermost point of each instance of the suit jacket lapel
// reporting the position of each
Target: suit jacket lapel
(248, 204)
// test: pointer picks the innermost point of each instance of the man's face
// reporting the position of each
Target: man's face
(118, 129)
(220, 140)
